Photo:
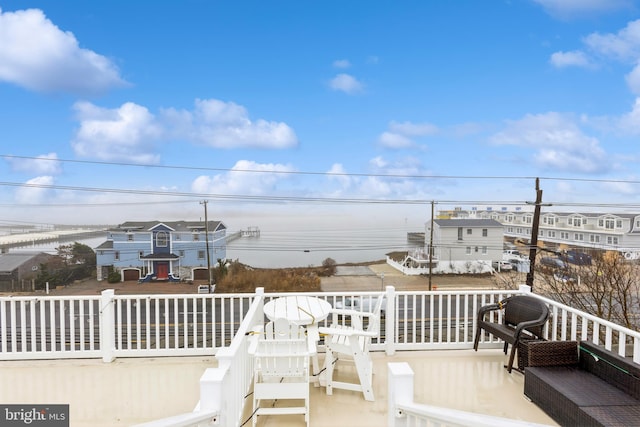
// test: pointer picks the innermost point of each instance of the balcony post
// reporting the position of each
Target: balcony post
(400, 391)
(390, 321)
(107, 325)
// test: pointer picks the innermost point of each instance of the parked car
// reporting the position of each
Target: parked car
(512, 253)
(553, 262)
(361, 304)
(502, 265)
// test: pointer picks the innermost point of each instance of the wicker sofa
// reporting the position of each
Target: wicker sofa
(582, 384)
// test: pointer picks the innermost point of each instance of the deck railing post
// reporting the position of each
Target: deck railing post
(400, 383)
(390, 321)
(107, 325)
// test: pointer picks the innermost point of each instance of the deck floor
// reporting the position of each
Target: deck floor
(130, 391)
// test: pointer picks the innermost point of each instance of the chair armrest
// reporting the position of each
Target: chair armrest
(487, 308)
(350, 312)
(254, 337)
(347, 332)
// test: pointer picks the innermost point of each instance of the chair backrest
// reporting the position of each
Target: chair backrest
(524, 308)
(282, 329)
(282, 351)
(374, 322)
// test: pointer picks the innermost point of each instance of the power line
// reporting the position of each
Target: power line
(413, 176)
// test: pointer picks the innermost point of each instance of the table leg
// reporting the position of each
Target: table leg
(314, 336)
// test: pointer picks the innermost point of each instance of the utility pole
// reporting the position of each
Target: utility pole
(206, 238)
(533, 249)
(431, 247)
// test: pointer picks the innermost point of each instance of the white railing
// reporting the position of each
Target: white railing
(223, 390)
(111, 326)
(404, 412)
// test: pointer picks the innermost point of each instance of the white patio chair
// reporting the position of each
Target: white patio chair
(281, 370)
(350, 342)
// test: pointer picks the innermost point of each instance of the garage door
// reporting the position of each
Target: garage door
(200, 274)
(131, 275)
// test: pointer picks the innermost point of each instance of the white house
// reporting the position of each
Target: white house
(466, 245)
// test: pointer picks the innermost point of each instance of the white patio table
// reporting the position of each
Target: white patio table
(302, 310)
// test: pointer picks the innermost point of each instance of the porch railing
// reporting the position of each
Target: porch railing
(110, 326)
(404, 412)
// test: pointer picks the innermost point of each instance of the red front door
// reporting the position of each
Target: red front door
(162, 271)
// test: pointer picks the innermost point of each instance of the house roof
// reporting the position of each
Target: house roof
(173, 225)
(105, 245)
(468, 222)
(10, 261)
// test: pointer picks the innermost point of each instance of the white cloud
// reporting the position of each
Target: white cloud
(394, 140)
(241, 181)
(633, 80)
(558, 142)
(29, 195)
(44, 164)
(400, 135)
(346, 83)
(574, 58)
(630, 122)
(338, 173)
(413, 129)
(37, 55)
(570, 8)
(624, 46)
(125, 133)
(222, 124)
(341, 63)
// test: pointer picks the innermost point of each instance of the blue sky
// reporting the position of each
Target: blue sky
(120, 110)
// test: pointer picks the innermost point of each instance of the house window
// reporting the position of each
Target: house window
(551, 233)
(612, 240)
(564, 235)
(468, 250)
(161, 239)
(484, 250)
(130, 237)
(459, 233)
(578, 236)
(528, 219)
(181, 253)
(140, 254)
(200, 254)
(116, 255)
(619, 223)
(476, 249)
(485, 232)
(196, 237)
(469, 231)
(594, 238)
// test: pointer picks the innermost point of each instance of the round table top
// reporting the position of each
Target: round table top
(299, 309)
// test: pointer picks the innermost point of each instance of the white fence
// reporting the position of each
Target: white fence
(110, 326)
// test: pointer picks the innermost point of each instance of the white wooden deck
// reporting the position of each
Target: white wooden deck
(131, 391)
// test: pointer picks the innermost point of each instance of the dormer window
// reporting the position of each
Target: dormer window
(161, 239)
(576, 221)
